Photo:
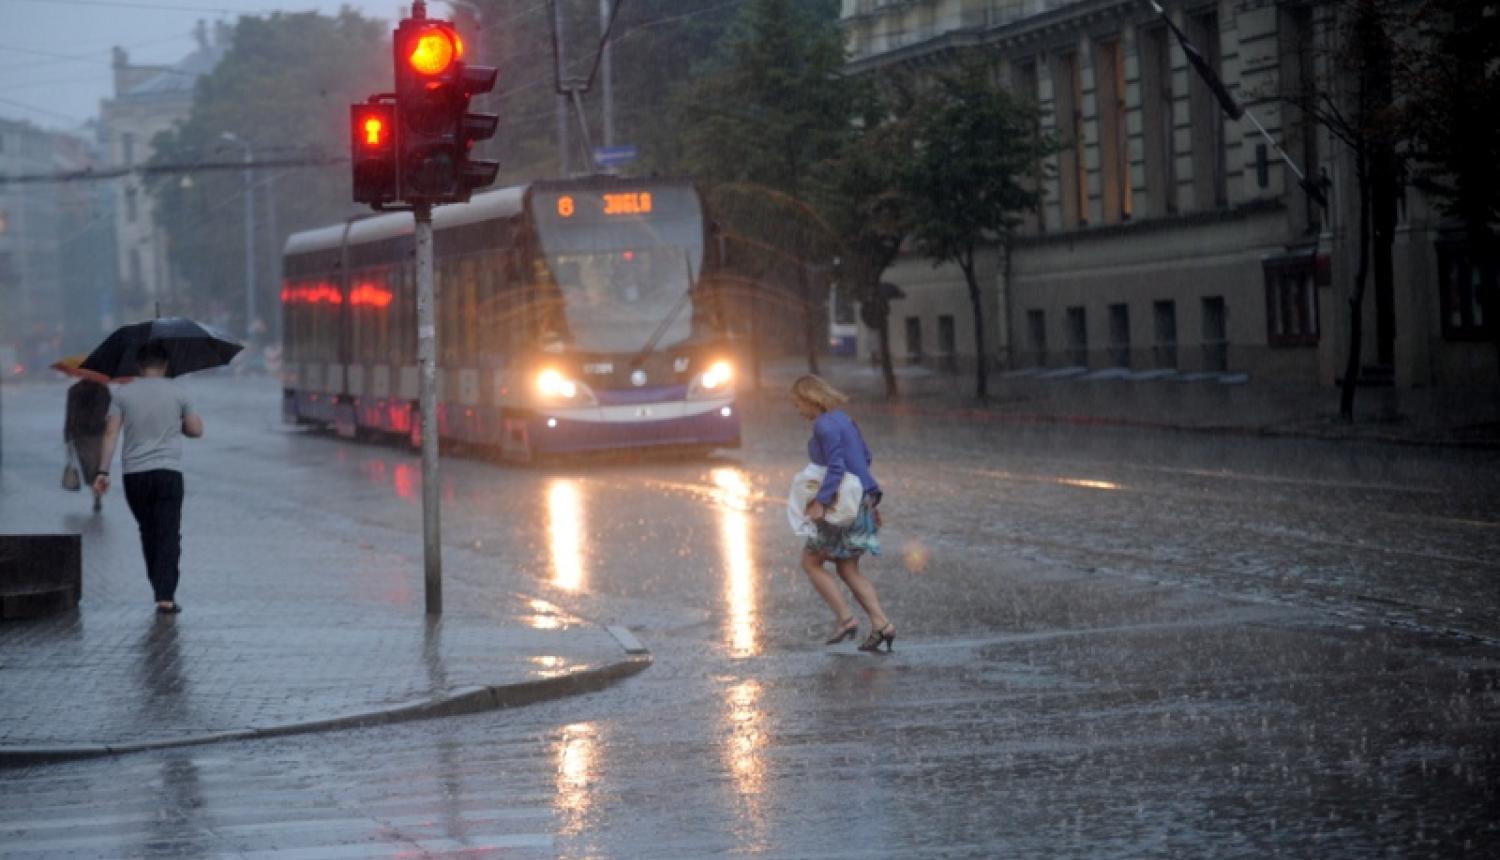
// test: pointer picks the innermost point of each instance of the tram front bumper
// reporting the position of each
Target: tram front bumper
(696, 423)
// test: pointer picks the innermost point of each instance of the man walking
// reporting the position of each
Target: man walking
(155, 415)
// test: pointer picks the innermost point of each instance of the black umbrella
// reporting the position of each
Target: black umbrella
(190, 346)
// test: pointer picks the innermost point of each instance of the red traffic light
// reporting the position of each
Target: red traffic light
(432, 51)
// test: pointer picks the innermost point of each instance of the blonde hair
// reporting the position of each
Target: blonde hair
(813, 389)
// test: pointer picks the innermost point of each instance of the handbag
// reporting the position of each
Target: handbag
(70, 479)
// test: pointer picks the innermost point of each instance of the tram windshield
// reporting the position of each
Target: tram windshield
(625, 264)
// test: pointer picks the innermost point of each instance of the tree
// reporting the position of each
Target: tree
(654, 43)
(1357, 106)
(976, 150)
(284, 87)
(860, 193)
(756, 124)
(1453, 81)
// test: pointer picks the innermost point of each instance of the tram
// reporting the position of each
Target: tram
(572, 315)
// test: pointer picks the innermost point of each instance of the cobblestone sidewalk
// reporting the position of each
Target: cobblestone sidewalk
(292, 621)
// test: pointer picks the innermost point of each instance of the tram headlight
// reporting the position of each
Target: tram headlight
(716, 381)
(718, 375)
(552, 384)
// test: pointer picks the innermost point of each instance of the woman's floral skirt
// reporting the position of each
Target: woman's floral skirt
(851, 541)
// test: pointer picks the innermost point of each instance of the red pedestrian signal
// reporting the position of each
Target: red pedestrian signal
(375, 131)
(372, 152)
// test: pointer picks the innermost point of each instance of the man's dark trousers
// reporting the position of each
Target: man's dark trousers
(155, 497)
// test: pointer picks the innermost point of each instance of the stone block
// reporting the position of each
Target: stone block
(40, 574)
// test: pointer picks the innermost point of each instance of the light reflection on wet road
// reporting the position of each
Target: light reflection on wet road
(1112, 644)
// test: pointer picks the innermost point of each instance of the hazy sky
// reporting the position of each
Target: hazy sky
(55, 54)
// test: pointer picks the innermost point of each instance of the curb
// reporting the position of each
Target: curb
(457, 702)
(1276, 431)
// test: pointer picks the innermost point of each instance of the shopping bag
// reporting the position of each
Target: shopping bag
(804, 489)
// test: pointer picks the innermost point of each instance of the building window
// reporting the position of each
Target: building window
(130, 204)
(914, 339)
(1465, 286)
(947, 341)
(1158, 127)
(1210, 186)
(1164, 350)
(1072, 171)
(1215, 334)
(1114, 153)
(1023, 80)
(127, 147)
(1291, 300)
(137, 277)
(1036, 333)
(1119, 335)
(1078, 337)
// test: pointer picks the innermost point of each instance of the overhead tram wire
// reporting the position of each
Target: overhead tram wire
(95, 55)
(168, 7)
(143, 171)
(44, 111)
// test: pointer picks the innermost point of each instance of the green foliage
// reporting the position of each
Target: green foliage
(977, 149)
(860, 188)
(1453, 80)
(655, 44)
(775, 103)
(284, 86)
(976, 153)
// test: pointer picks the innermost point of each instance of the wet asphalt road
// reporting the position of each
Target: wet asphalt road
(1111, 644)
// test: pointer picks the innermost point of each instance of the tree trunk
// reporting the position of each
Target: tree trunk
(981, 364)
(1357, 296)
(887, 368)
(809, 317)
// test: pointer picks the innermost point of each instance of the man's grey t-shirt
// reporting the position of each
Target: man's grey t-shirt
(151, 410)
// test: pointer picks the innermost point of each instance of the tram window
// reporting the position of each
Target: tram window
(408, 327)
(447, 303)
(380, 349)
(469, 310)
(487, 309)
(398, 319)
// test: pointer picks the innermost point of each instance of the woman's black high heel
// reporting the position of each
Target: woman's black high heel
(886, 634)
(847, 628)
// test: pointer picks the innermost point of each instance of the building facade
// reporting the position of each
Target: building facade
(30, 309)
(56, 245)
(147, 101)
(1171, 237)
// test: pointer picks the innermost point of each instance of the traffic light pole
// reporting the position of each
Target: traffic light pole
(432, 544)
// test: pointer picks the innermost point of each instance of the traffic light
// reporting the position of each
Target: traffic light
(428, 92)
(412, 146)
(372, 151)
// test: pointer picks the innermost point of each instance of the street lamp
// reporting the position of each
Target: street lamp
(249, 194)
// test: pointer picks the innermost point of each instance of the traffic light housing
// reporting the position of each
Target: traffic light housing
(435, 129)
(372, 152)
(473, 127)
(427, 56)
